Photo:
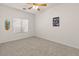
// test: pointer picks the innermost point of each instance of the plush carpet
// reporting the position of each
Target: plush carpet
(35, 46)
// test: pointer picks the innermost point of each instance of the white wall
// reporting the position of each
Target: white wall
(68, 32)
(6, 12)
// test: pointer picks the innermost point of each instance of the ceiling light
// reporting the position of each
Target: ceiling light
(35, 7)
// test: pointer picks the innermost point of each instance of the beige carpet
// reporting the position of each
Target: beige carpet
(34, 46)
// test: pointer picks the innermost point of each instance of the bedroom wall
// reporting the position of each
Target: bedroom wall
(68, 31)
(7, 12)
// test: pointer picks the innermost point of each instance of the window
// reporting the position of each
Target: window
(20, 25)
(24, 25)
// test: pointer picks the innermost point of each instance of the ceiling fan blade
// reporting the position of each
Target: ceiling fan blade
(38, 9)
(29, 7)
(39, 4)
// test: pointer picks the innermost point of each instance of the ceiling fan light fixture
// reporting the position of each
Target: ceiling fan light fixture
(35, 7)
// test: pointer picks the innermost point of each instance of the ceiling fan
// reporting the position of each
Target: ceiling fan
(37, 6)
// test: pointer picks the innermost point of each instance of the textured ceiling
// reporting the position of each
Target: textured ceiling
(20, 6)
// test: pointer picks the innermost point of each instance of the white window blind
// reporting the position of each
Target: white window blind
(20, 25)
(25, 25)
